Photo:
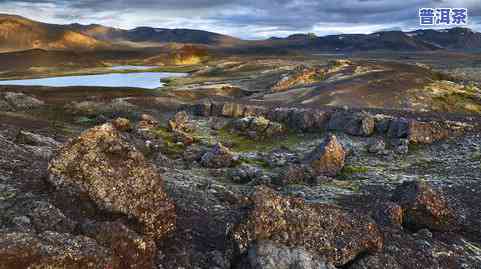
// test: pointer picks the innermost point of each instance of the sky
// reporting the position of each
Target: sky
(248, 19)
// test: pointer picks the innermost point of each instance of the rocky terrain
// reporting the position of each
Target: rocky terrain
(249, 162)
(223, 184)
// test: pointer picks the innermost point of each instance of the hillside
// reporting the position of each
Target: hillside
(18, 33)
(420, 40)
(148, 36)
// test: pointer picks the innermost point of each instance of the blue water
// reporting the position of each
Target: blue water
(147, 80)
(132, 67)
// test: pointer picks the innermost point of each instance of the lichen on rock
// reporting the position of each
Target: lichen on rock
(101, 165)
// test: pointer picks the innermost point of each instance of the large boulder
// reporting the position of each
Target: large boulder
(181, 122)
(129, 249)
(52, 250)
(258, 128)
(232, 110)
(85, 108)
(116, 107)
(419, 132)
(269, 255)
(100, 164)
(5, 106)
(295, 174)
(20, 100)
(426, 132)
(41, 146)
(357, 124)
(328, 158)
(122, 124)
(424, 207)
(322, 230)
(303, 120)
(218, 157)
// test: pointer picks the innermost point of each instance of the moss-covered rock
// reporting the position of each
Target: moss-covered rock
(100, 164)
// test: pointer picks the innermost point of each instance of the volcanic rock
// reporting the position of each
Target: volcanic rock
(101, 165)
(328, 158)
(325, 230)
(360, 124)
(218, 157)
(423, 207)
(269, 255)
(180, 122)
(258, 128)
(130, 250)
(19, 100)
(122, 124)
(52, 250)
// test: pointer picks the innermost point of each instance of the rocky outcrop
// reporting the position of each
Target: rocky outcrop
(228, 109)
(325, 232)
(269, 255)
(361, 124)
(376, 146)
(245, 173)
(258, 128)
(129, 249)
(349, 122)
(18, 101)
(295, 174)
(180, 122)
(328, 158)
(181, 126)
(116, 107)
(300, 120)
(101, 165)
(122, 124)
(52, 250)
(423, 207)
(301, 75)
(422, 132)
(218, 157)
(40, 146)
(389, 213)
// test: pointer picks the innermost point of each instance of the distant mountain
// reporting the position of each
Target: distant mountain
(390, 40)
(455, 38)
(153, 36)
(18, 33)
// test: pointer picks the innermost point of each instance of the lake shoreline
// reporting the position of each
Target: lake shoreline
(63, 72)
(119, 76)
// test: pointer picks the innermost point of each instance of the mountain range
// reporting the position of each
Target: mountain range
(19, 33)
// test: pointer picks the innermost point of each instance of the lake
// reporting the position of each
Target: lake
(147, 80)
(132, 67)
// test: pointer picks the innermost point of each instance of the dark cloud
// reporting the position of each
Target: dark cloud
(244, 18)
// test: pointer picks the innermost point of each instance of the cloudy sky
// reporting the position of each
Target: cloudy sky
(250, 19)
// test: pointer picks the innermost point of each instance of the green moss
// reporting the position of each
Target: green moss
(476, 156)
(256, 162)
(243, 144)
(170, 147)
(350, 170)
(85, 120)
(343, 184)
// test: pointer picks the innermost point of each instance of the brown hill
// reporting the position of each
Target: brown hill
(18, 33)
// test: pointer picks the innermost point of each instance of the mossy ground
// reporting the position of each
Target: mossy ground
(349, 170)
(244, 144)
(170, 147)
